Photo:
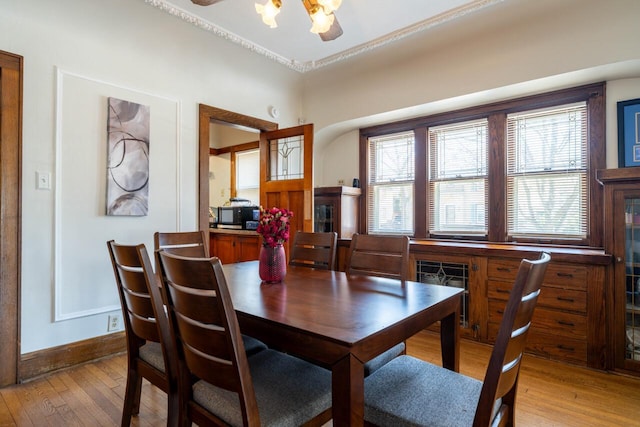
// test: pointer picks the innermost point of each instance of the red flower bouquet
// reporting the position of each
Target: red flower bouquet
(274, 226)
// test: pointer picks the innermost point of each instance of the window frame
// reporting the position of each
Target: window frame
(496, 114)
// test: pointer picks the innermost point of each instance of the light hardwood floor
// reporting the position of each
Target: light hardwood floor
(550, 393)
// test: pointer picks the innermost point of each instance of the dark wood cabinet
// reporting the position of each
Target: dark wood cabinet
(236, 246)
(570, 321)
(622, 240)
(336, 209)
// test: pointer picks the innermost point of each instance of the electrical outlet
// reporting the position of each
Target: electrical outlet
(114, 323)
(341, 182)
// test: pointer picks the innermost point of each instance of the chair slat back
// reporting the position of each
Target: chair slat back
(383, 256)
(140, 317)
(502, 373)
(315, 250)
(145, 320)
(203, 319)
(185, 243)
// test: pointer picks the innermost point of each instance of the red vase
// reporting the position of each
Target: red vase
(273, 264)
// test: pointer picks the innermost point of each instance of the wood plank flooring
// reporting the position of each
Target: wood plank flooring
(550, 393)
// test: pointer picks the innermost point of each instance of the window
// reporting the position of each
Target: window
(547, 173)
(522, 170)
(248, 175)
(390, 184)
(458, 178)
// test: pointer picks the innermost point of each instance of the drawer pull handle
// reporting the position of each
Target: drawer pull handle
(499, 311)
(566, 347)
(567, 275)
(565, 323)
(503, 291)
(504, 269)
(565, 299)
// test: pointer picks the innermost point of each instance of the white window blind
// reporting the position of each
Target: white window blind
(248, 175)
(391, 184)
(547, 163)
(458, 178)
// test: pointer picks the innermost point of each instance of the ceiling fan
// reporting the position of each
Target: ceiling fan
(321, 12)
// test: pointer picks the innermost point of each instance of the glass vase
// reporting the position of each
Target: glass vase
(272, 264)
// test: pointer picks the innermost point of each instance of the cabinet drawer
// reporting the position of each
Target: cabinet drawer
(556, 323)
(570, 350)
(572, 276)
(505, 269)
(558, 298)
(550, 345)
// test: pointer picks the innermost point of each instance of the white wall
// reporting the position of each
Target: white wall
(125, 46)
(517, 48)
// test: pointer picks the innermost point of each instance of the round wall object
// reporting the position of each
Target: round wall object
(274, 112)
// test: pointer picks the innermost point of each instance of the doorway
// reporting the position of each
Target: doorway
(207, 115)
(11, 75)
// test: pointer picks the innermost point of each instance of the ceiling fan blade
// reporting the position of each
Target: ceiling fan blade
(205, 2)
(333, 33)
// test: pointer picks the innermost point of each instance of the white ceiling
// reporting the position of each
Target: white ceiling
(367, 24)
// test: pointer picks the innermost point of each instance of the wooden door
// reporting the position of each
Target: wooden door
(286, 174)
(11, 71)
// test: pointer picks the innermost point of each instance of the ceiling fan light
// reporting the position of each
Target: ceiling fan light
(268, 11)
(330, 5)
(321, 20)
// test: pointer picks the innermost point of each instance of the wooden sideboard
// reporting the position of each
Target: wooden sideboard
(570, 321)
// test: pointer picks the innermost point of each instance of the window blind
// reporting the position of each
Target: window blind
(390, 187)
(458, 178)
(547, 164)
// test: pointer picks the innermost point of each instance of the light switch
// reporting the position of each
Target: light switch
(43, 180)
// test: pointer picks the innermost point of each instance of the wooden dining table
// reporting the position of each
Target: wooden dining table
(341, 321)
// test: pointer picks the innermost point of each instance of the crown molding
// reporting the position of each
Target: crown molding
(303, 67)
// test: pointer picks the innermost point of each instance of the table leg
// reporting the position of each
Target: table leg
(450, 340)
(347, 377)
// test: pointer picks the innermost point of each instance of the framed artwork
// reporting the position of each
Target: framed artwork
(128, 158)
(629, 133)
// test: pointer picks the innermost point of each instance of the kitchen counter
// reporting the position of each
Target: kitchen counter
(233, 231)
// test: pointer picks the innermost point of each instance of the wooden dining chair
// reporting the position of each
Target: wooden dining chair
(186, 243)
(192, 244)
(377, 255)
(408, 391)
(150, 350)
(218, 383)
(382, 256)
(315, 250)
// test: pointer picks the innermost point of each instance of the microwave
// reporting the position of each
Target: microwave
(236, 217)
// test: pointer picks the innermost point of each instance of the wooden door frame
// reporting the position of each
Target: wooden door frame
(207, 114)
(11, 100)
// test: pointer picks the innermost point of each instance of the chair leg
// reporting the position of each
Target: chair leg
(131, 397)
(173, 409)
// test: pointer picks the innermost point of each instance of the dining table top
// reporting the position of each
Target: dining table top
(341, 321)
(345, 308)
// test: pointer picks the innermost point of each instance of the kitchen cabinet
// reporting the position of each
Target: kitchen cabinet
(622, 240)
(336, 209)
(234, 245)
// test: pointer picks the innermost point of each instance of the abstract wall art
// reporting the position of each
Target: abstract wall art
(127, 158)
